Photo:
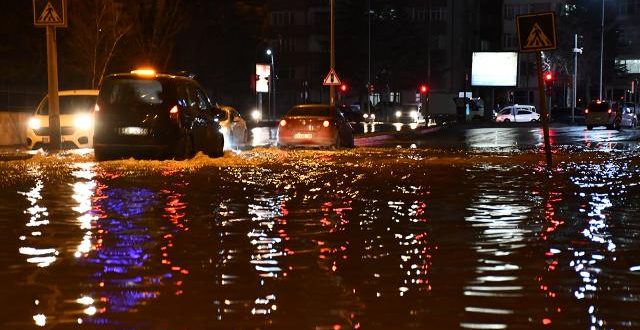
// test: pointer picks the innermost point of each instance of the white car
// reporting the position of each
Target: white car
(517, 114)
(629, 115)
(233, 127)
(76, 120)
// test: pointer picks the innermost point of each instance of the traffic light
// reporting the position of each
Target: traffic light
(423, 89)
(548, 77)
(548, 81)
(371, 89)
(344, 88)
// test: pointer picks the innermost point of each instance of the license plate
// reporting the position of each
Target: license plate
(133, 131)
(303, 136)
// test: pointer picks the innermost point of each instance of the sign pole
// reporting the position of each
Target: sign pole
(52, 76)
(543, 111)
(332, 88)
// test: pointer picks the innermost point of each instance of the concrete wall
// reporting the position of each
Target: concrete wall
(13, 126)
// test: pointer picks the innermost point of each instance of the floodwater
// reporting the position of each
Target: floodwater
(370, 238)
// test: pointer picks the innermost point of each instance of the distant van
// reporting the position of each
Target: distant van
(517, 113)
(602, 113)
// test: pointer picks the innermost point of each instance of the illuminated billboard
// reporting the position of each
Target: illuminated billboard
(494, 69)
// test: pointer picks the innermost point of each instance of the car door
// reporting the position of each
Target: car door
(203, 125)
(524, 115)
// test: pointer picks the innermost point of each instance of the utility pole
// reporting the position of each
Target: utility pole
(576, 51)
(332, 88)
(601, 48)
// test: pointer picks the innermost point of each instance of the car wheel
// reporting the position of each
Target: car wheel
(589, 127)
(506, 120)
(184, 148)
(102, 155)
(534, 120)
(219, 151)
(338, 143)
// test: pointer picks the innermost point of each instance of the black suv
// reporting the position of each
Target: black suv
(145, 114)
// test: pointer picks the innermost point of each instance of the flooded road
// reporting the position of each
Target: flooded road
(370, 238)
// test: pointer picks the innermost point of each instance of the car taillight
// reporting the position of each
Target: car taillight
(96, 108)
(609, 111)
(326, 123)
(283, 123)
(586, 111)
(173, 113)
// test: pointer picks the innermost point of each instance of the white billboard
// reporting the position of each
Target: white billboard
(494, 69)
(263, 71)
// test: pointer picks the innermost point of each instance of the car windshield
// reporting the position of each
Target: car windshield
(599, 107)
(310, 111)
(70, 104)
(127, 92)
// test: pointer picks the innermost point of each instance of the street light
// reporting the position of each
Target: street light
(576, 51)
(272, 84)
(601, 47)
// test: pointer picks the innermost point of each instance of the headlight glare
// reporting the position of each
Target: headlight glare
(83, 121)
(34, 123)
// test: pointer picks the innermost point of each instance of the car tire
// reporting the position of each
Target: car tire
(219, 151)
(184, 148)
(338, 143)
(102, 155)
(506, 120)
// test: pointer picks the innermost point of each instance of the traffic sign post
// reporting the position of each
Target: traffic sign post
(51, 14)
(537, 32)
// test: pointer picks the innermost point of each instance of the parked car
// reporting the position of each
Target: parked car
(233, 127)
(317, 125)
(602, 113)
(566, 115)
(517, 113)
(76, 120)
(148, 114)
(629, 114)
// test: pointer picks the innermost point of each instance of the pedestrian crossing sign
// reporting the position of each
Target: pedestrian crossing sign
(537, 32)
(50, 13)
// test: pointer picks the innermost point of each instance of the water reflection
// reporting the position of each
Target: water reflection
(499, 215)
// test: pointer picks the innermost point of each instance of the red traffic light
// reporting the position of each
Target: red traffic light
(548, 76)
(424, 89)
(343, 88)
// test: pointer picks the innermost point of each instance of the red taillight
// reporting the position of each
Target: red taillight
(609, 111)
(283, 122)
(173, 113)
(96, 108)
(326, 123)
(586, 111)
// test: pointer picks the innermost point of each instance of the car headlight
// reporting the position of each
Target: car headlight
(365, 116)
(398, 114)
(256, 115)
(414, 114)
(83, 121)
(34, 123)
(373, 116)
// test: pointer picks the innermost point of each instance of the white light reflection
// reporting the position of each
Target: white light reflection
(498, 217)
(40, 319)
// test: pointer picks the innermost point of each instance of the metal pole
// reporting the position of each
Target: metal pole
(543, 112)
(332, 89)
(52, 75)
(273, 80)
(369, 65)
(601, 48)
(575, 79)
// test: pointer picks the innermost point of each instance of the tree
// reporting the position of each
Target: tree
(95, 34)
(584, 18)
(158, 22)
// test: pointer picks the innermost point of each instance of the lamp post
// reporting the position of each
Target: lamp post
(576, 51)
(601, 48)
(272, 84)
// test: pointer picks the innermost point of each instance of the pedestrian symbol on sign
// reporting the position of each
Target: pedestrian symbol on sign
(49, 15)
(537, 38)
